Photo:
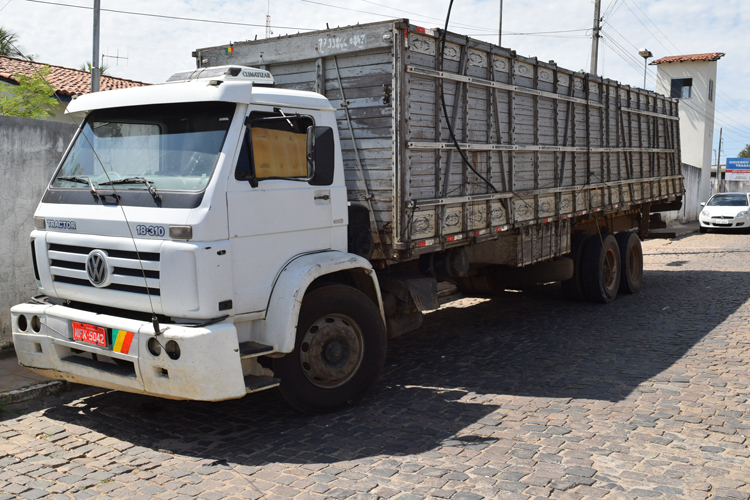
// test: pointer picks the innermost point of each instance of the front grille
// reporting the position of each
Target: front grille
(68, 265)
(120, 254)
(113, 286)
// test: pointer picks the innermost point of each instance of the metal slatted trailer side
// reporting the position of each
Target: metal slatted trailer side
(556, 145)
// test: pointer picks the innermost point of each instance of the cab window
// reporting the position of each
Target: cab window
(274, 147)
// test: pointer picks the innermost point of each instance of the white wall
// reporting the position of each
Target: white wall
(696, 113)
(30, 151)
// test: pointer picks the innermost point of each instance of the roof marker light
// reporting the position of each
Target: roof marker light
(226, 73)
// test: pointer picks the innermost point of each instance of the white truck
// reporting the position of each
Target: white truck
(271, 218)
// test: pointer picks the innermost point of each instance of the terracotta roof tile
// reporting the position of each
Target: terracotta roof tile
(711, 56)
(67, 81)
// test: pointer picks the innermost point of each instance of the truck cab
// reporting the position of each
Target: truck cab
(193, 227)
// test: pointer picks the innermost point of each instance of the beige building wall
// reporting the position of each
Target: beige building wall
(696, 113)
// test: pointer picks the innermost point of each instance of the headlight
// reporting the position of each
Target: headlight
(705, 213)
(742, 214)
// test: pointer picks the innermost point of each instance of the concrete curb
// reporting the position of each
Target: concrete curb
(667, 234)
(40, 390)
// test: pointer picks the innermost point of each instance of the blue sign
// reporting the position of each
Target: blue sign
(738, 169)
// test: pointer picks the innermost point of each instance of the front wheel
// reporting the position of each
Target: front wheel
(338, 354)
(703, 229)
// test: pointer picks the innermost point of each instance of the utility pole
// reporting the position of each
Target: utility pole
(268, 20)
(95, 58)
(595, 38)
(720, 175)
(500, 30)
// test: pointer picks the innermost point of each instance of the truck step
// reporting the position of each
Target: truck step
(254, 383)
(254, 349)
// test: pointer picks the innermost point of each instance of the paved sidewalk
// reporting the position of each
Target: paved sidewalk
(14, 376)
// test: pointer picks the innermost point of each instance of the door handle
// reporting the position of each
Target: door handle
(322, 197)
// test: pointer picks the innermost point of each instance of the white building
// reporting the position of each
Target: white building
(692, 79)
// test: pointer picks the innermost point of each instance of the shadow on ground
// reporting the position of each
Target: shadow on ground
(532, 343)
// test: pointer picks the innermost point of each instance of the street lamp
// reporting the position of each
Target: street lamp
(645, 54)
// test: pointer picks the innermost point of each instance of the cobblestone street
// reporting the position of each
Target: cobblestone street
(526, 395)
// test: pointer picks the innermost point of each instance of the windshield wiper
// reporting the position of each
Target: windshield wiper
(82, 180)
(135, 180)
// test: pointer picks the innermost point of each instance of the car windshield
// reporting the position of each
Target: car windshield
(172, 146)
(728, 200)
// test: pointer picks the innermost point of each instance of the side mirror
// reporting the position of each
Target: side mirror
(703, 203)
(321, 154)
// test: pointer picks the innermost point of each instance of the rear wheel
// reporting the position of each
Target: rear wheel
(631, 261)
(339, 351)
(600, 268)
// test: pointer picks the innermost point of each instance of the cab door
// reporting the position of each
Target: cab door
(274, 213)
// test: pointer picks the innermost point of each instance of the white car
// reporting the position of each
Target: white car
(725, 211)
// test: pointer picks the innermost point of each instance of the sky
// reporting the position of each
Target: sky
(60, 32)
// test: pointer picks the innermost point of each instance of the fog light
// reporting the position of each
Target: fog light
(173, 349)
(153, 347)
(36, 324)
(181, 232)
(39, 223)
(22, 323)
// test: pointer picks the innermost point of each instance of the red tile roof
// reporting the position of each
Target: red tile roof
(711, 56)
(67, 81)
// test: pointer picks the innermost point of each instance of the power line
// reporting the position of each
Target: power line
(732, 119)
(655, 26)
(169, 17)
(712, 122)
(359, 11)
(528, 34)
(426, 17)
(734, 103)
(644, 25)
(611, 3)
(6, 4)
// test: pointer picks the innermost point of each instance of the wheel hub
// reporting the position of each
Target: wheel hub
(610, 269)
(331, 351)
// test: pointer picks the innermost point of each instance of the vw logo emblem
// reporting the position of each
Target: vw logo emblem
(98, 269)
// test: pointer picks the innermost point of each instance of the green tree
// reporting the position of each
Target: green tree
(745, 153)
(31, 98)
(9, 44)
(88, 67)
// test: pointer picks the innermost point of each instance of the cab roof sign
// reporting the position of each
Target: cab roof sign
(255, 76)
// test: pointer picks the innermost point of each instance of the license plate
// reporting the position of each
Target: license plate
(90, 334)
(722, 223)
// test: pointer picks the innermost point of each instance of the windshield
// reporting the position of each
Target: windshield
(172, 146)
(728, 200)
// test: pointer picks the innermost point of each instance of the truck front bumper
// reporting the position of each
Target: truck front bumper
(205, 366)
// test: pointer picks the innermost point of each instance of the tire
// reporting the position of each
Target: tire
(338, 354)
(703, 230)
(573, 287)
(631, 261)
(600, 268)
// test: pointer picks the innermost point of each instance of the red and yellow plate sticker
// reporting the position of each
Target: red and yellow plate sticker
(121, 341)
